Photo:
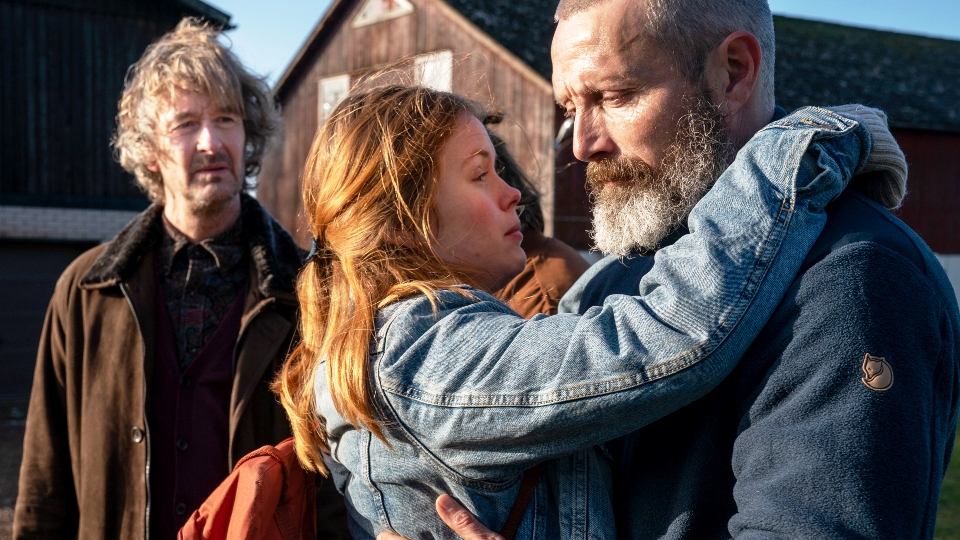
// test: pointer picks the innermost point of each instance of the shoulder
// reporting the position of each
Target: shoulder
(414, 315)
(71, 277)
(864, 243)
(870, 286)
(413, 328)
(83, 263)
(276, 256)
(611, 275)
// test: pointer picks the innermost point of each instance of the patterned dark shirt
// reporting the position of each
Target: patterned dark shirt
(200, 282)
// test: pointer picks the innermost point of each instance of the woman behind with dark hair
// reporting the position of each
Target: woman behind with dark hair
(552, 266)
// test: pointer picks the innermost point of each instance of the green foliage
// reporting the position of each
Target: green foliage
(948, 514)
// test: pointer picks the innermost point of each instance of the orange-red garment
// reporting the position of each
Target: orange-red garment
(268, 496)
(552, 268)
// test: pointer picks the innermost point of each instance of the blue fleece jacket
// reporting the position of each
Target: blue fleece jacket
(838, 423)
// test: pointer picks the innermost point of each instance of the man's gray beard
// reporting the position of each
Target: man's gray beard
(643, 207)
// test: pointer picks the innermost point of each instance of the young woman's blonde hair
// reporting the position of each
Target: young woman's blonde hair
(369, 189)
(189, 57)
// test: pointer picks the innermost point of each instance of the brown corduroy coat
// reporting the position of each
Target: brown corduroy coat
(86, 459)
(552, 268)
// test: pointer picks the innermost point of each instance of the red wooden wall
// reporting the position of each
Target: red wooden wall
(932, 206)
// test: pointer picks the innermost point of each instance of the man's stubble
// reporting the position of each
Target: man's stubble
(643, 206)
(209, 206)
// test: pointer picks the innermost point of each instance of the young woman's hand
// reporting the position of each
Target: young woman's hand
(457, 518)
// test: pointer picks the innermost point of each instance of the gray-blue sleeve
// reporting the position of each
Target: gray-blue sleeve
(852, 424)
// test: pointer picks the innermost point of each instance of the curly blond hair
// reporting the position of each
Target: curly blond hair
(191, 58)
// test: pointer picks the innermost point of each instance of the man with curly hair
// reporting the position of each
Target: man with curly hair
(153, 372)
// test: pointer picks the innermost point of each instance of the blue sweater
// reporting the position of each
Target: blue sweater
(838, 423)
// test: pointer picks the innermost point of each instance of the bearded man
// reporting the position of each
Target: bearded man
(839, 421)
(153, 372)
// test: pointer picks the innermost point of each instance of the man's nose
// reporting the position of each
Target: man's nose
(209, 138)
(591, 140)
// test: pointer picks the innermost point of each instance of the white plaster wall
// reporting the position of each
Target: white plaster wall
(951, 263)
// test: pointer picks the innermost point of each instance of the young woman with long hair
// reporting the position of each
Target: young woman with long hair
(412, 381)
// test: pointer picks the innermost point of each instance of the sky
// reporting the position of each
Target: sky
(267, 37)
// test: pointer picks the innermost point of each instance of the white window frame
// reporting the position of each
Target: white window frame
(330, 91)
(435, 70)
(374, 11)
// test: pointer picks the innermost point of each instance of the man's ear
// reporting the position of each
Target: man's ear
(732, 71)
(153, 163)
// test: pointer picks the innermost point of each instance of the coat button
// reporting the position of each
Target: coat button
(136, 434)
(181, 509)
(181, 445)
(185, 382)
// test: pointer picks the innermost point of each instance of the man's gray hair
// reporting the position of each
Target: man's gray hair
(690, 29)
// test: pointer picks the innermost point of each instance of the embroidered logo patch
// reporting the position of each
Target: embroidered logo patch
(877, 373)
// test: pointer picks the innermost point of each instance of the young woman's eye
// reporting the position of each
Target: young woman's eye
(482, 177)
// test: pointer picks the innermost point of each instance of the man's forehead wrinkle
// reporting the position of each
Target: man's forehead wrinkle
(603, 49)
(178, 109)
(634, 38)
(604, 73)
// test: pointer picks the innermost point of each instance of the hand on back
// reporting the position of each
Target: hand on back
(457, 518)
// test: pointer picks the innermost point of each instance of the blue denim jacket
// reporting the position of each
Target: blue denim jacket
(471, 394)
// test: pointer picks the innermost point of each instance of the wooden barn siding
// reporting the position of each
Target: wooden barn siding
(932, 206)
(61, 74)
(479, 75)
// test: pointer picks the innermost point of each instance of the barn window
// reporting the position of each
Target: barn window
(435, 70)
(381, 10)
(332, 90)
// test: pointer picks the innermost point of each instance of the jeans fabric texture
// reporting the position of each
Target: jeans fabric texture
(471, 395)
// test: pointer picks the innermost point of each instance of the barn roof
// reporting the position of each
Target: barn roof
(915, 79)
(189, 7)
(208, 11)
(524, 27)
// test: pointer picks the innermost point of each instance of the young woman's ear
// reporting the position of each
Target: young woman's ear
(400, 238)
